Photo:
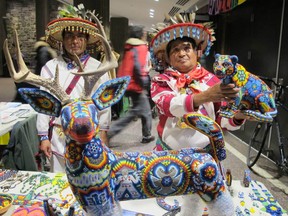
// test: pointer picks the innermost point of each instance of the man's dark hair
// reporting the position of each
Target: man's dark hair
(183, 39)
(136, 32)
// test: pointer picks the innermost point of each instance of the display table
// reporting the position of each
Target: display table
(11, 113)
(31, 188)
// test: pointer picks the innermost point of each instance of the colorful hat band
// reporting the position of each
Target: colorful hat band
(55, 28)
(201, 35)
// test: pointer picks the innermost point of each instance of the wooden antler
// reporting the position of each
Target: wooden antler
(25, 75)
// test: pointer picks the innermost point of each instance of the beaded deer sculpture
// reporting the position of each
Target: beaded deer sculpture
(255, 98)
(99, 177)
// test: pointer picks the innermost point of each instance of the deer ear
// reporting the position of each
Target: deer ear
(41, 101)
(110, 92)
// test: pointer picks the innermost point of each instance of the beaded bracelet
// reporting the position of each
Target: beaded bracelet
(44, 137)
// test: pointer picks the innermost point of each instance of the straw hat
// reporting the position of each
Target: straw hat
(71, 19)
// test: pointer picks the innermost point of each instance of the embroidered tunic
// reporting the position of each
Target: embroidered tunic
(173, 94)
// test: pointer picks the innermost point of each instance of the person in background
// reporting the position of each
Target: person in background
(44, 53)
(148, 86)
(135, 64)
(73, 35)
(116, 108)
(183, 87)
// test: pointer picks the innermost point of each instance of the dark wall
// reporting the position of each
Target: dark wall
(118, 32)
(29, 18)
(101, 7)
(42, 17)
(283, 67)
(252, 31)
(2, 33)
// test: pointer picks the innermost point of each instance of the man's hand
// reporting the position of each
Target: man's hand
(216, 93)
(240, 116)
(221, 92)
(45, 147)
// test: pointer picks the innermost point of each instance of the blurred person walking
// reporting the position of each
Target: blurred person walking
(135, 63)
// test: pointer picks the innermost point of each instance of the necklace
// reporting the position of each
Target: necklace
(49, 187)
(29, 183)
(6, 174)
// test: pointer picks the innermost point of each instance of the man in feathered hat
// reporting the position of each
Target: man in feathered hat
(71, 34)
(185, 86)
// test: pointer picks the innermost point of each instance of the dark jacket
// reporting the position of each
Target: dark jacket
(23, 146)
(44, 53)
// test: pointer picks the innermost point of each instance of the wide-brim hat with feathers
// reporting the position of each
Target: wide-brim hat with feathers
(179, 27)
(71, 19)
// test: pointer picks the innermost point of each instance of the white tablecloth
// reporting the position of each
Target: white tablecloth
(36, 186)
(11, 113)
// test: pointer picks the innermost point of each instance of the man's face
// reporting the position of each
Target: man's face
(75, 42)
(182, 56)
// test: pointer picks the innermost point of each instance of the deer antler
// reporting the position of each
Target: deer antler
(25, 75)
(109, 64)
(97, 22)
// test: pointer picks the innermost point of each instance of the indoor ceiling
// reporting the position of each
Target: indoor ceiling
(139, 12)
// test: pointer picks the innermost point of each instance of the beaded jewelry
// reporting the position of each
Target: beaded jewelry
(19, 179)
(45, 137)
(6, 174)
(68, 199)
(29, 183)
(11, 183)
(57, 184)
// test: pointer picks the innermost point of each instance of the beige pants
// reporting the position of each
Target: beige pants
(57, 164)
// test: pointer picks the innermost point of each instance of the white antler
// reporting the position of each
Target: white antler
(25, 75)
(91, 77)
